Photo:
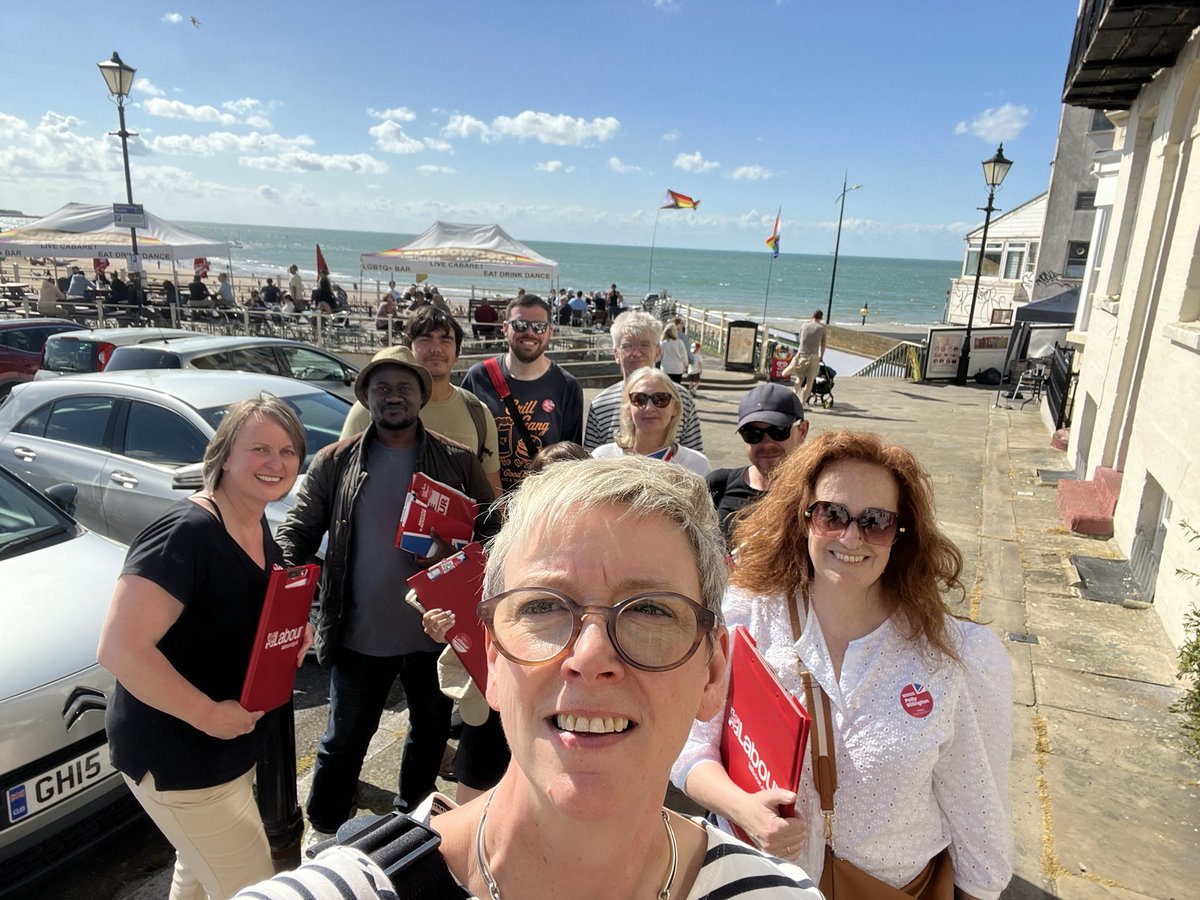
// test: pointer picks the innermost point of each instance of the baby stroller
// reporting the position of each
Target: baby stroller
(822, 386)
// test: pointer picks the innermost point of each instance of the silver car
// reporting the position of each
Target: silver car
(269, 355)
(55, 777)
(132, 441)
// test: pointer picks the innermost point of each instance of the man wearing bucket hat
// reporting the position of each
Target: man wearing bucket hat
(771, 425)
(366, 634)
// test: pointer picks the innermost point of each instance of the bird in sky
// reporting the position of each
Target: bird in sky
(195, 22)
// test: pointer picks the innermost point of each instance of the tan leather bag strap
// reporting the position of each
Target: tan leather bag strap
(820, 741)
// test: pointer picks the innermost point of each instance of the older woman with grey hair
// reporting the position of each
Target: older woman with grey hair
(651, 411)
(178, 637)
(598, 663)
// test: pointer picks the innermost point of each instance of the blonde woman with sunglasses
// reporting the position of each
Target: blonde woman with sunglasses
(841, 571)
(651, 409)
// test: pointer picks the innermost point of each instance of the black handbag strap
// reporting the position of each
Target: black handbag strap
(409, 854)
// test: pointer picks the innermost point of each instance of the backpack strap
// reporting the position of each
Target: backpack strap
(478, 416)
(408, 852)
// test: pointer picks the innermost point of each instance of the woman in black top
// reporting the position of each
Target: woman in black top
(178, 637)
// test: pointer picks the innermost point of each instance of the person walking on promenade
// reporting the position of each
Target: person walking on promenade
(296, 288)
(674, 354)
(771, 425)
(650, 413)
(840, 576)
(807, 362)
(635, 339)
(535, 402)
(178, 638)
(366, 634)
(436, 340)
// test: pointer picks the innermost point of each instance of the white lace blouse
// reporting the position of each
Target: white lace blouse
(908, 785)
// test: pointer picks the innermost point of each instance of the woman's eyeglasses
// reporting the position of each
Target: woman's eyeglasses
(654, 632)
(752, 434)
(520, 326)
(877, 526)
(660, 400)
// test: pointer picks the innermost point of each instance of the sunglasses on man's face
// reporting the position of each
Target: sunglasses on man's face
(520, 326)
(660, 400)
(752, 434)
(877, 526)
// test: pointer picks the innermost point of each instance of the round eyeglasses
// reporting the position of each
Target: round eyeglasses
(654, 632)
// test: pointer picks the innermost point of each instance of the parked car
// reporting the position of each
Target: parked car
(91, 350)
(132, 441)
(271, 356)
(21, 343)
(60, 791)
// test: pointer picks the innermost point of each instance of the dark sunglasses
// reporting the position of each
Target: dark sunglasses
(660, 400)
(520, 326)
(752, 434)
(877, 526)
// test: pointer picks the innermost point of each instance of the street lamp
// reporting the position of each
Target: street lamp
(119, 78)
(837, 244)
(994, 170)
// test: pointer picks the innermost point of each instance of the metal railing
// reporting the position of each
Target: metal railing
(902, 361)
(1060, 386)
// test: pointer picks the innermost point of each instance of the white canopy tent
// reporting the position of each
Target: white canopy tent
(445, 248)
(79, 231)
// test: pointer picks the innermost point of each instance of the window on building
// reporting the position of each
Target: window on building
(1014, 261)
(1100, 121)
(1077, 253)
(1085, 200)
(1031, 258)
(991, 259)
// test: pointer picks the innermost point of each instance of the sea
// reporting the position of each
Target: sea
(901, 292)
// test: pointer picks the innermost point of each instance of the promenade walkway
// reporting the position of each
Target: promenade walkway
(1105, 803)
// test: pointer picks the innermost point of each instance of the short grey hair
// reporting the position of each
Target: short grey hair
(635, 324)
(643, 487)
(266, 406)
(627, 433)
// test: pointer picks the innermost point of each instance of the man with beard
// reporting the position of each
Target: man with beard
(771, 425)
(355, 491)
(535, 402)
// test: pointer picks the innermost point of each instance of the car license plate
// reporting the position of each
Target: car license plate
(42, 791)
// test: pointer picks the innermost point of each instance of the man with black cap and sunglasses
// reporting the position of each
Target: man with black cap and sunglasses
(771, 425)
(535, 402)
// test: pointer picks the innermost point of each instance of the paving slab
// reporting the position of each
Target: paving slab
(1149, 748)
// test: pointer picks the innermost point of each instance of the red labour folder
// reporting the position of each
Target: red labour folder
(766, 728)
(456, 584)
(272, 670)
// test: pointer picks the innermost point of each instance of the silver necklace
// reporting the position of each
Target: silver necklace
(494, 889)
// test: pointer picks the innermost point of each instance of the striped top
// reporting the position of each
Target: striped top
(730, 870)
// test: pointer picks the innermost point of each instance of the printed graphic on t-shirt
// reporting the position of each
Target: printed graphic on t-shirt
(515, 457)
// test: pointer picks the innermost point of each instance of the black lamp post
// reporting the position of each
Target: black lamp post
(837, 245)
(994, 170)
(119, 78)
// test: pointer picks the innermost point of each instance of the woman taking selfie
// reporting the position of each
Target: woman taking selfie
(178, 637)
(651, 410)
(840, 571)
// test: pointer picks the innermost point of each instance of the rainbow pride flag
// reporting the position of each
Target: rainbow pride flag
(675, 200)
(773, 240)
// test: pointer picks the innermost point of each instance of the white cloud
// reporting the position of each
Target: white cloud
(564, 130)
(390, 138)
(225, 142)
(1001, 123)
(751, 173)
(54, 149)
(435, 170)
(463, 126)
(144, 86)
(249, 110)
(172, 19)
(694, 162)
(11, 126)
(623, 168)
(395, 114)
(306, 161)
(268, 193)
(177, 109)
(439, 145)
(672, 135)
(553, 165)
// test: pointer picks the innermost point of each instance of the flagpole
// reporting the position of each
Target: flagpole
(653, 236)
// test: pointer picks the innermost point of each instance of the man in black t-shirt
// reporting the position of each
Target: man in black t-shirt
(548, 401)
(771, 424)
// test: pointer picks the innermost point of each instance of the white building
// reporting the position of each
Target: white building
(1008, 264)
(1138, 324)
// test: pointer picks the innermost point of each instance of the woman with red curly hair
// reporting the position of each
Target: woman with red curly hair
(841, 571)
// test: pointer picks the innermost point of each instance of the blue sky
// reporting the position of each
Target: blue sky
(561, 121)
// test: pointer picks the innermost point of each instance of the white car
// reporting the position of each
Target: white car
(132, 441)
(58, 788)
